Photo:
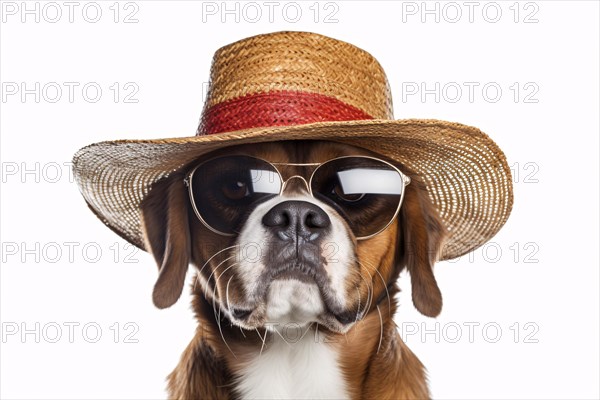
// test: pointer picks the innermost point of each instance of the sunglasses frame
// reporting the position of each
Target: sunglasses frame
(190, 175)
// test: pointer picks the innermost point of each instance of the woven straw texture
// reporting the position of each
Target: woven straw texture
(300, 61)
(466, 173)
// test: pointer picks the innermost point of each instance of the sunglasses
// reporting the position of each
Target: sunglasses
(366, 191)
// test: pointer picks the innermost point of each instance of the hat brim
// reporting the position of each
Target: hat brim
(466, 173)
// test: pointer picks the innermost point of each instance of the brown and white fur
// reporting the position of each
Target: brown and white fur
(335, 339)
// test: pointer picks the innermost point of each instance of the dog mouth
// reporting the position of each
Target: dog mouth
(302, 271)
(337, 322)
(296, 274)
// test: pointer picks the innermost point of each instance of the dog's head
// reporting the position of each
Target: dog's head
(291, 256)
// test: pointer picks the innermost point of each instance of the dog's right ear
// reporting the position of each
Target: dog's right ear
(164, 214)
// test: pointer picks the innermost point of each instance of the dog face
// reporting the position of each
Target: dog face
(294, 257)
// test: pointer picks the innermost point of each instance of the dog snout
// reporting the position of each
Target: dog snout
(290, 220)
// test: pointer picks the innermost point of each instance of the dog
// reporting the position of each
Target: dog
(298, 202)
(293, 304)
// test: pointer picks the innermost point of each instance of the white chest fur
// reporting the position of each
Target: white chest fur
(306, 369)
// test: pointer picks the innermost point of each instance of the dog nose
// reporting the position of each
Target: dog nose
(290, 219)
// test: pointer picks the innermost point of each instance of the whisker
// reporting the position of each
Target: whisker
(364, 311)
(216, 286)
(387, 292)
(227, 294)
(384, 285)
(207, 261)
(217, 253)
(263, 343)
(381, 330)
(215, 270)
(358, 307)
(370, 288)
(218, 317)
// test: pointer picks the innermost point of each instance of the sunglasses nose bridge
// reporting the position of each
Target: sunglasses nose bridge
(295, 183)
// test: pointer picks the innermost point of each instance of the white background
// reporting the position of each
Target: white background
(538, 278)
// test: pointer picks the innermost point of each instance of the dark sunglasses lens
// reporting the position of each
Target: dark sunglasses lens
(226, 189)
(367, 192)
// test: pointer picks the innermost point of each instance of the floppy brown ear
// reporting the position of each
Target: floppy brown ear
(422, 237)
(166, 231)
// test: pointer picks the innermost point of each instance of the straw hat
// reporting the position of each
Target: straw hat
(298, 85)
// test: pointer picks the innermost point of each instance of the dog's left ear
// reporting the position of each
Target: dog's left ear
(421, 237)
(167, 235)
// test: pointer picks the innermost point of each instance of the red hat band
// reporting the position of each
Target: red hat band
(279, 108)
